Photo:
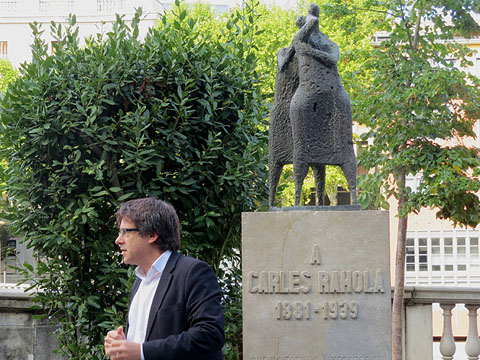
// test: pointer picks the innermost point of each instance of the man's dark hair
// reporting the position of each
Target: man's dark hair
(153, 216)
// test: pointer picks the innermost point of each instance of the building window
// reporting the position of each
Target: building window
(110, 5)
(56, 6)
(410, 260)
(43, 5)
(11, 248)
(417, 254)
(3, 49)
(443, 257)
(413, 181)
(10, 258)
(7, 6)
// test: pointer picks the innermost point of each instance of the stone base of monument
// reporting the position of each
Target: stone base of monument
(316, 285)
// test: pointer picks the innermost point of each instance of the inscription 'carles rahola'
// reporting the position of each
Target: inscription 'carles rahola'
(279, 282)
(302, 282)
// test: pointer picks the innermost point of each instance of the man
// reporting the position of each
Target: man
(175, 311)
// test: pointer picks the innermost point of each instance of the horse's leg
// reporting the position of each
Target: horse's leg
(349, 168)
(300, 170)
(319, 174)
(274, 177)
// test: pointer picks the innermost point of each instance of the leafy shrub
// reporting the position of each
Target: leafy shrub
(7, 74)
(178, 116)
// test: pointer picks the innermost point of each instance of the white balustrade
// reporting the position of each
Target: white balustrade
(448, 298)
(472, 346)
(447, 344)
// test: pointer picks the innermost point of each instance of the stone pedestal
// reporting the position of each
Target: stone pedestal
(316, 285)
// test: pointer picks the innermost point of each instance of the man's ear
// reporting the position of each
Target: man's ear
(152, 238)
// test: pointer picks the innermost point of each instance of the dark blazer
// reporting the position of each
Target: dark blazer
(186, 317)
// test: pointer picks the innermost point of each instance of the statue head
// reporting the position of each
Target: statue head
(301, 21)
(314, 10)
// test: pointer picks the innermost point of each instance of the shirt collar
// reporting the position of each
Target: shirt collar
(156, 269)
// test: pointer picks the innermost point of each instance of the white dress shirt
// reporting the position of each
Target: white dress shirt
(142, 301)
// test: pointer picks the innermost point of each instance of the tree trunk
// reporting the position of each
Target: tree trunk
(397, 309)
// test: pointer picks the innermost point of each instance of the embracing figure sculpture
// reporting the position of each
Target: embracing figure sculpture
(311, 119)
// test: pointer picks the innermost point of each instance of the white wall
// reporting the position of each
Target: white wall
(93, 16)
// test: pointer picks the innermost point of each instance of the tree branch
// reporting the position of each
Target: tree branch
(373, 10)
(406, 24)
(417, 30)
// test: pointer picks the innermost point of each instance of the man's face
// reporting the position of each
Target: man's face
(134, 248)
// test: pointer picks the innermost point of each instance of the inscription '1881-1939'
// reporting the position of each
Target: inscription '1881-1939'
(299, 310)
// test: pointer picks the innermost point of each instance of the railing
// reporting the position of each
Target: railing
(418, 321)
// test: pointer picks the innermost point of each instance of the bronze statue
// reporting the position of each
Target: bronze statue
(319, 117)
(280, 130)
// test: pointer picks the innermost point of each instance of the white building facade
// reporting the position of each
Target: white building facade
(93, 16)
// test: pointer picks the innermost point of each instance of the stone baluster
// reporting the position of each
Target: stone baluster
(447, 344)
(472, 346)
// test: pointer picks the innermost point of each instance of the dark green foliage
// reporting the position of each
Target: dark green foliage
(178, 116)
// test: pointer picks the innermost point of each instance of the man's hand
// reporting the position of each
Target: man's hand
(111, 337)
(125, 350)
(118, 347)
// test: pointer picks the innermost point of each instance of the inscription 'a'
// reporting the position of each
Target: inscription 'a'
(315, 258)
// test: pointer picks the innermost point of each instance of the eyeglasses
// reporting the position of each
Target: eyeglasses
(123, 232)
